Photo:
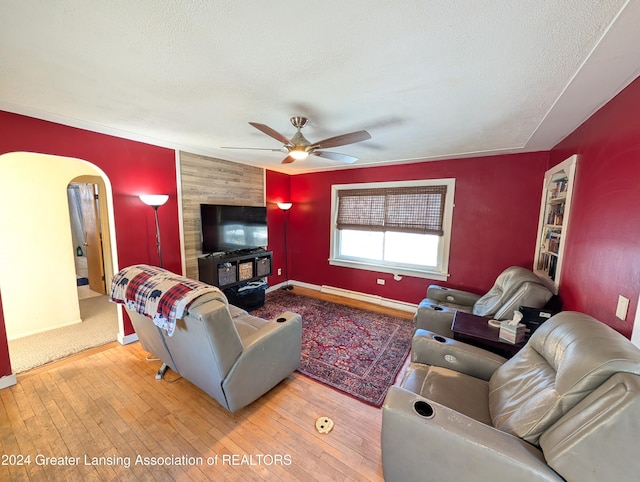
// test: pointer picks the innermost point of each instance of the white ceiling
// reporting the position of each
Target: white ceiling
(429, 79)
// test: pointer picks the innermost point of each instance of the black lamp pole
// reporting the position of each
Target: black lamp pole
(285, 207)
(155, 201)
(158, 245)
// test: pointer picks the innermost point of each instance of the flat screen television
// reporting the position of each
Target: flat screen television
(232, 228)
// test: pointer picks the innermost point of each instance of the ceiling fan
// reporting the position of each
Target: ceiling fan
(299, 148)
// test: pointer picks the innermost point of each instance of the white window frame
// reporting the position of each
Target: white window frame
(440, 273)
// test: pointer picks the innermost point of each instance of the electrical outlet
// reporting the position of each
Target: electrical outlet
(279, 271)
(380, 281)
(623, 306)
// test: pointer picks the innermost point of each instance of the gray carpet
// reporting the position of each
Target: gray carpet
(99, 327)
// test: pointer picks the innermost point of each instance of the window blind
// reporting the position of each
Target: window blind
(416, 209)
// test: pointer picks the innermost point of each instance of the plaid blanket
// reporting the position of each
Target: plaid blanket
(158, 294)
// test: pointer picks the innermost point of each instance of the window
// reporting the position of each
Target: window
(395, 227)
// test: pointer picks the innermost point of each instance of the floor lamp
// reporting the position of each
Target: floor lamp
(155, 201)
(285, 207)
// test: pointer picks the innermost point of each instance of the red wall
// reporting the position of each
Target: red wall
(134, 168)
(603, 244)
(277, 190)
(497, 200)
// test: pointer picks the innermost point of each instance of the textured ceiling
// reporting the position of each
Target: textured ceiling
(428, 79)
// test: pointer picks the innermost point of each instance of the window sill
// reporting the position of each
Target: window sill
(418, 273)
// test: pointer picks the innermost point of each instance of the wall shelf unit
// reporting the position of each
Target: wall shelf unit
(555, 208)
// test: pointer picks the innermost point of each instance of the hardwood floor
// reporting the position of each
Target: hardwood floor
(101, 415)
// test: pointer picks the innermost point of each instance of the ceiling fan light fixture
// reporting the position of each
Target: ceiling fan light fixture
(299, 154)
(299, 148)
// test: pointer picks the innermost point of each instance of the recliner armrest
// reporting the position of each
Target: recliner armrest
(429, 348)
(449, 446)
(433, 317)
(449, 295)
(596, 439)
(269, 355)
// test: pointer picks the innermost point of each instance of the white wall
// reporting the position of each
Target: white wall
(37, 275)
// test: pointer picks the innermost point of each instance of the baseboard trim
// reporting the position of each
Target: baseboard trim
(368, 298)
(42, 330)
(277, 287)
(8, 381)
(126, 339)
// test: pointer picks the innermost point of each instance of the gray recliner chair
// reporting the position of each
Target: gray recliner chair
(565, 407)
(514, 287)
(231, 355)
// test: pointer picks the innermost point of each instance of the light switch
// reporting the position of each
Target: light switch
(623, 306)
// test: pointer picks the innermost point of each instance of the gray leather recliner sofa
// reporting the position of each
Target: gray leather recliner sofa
(514, 287)
(231, 355)
(565, 407)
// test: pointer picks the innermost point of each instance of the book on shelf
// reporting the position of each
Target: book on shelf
(560, 188)
(553, 263)
(555, 214)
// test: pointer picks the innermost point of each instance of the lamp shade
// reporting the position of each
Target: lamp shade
(154, 200)
(285, 206)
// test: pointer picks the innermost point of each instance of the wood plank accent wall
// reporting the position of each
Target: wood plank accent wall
(206, 180)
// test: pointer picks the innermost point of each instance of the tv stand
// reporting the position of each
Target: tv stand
(242, 252)
(229, 269)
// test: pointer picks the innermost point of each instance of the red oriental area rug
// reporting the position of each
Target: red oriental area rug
(355, 351)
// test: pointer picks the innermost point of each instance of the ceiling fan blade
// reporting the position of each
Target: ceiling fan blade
(270, 132)
(343, 139)
(334, 156)
(288, 160)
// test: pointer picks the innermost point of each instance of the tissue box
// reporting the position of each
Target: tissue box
(512, 333)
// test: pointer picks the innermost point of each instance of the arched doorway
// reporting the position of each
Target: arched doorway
(37, 272)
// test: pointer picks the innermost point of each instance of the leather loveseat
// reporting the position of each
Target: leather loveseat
(514, 287)
(565, 407)
(231, 355)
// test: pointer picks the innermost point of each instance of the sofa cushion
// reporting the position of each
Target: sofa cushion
(566, 359)
(247, 324)
(236, 311)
